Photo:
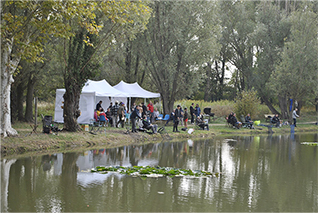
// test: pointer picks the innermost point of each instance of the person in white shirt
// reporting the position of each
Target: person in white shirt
(155, 114)
(295, 116)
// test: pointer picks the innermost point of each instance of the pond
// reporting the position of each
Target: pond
(258, 173)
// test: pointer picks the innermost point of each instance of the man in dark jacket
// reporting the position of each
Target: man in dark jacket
(192, 113)
(99, 105)
(177, 118)
(144, 109)
(133, 117)
(275, 120)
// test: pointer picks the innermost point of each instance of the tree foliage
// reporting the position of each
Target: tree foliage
(179, 39)
(106, 23)
(295, 76)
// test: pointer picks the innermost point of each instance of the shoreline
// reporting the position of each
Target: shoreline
(28, 143)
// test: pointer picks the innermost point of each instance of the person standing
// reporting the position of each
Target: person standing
(144, 109)
(197, 110)
(150, 109)
(177, 118)
(192, 113)
(114, 111)
(133, 117)
(295, 116)
(185, 117)
(121, 115)
(133, 107)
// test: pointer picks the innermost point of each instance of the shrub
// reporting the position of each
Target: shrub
(247, 102)
(219, 108)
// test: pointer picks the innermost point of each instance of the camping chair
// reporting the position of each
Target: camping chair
(163, 132)
(246, 124)
(160, 117)
(167, 116)
(97, 126)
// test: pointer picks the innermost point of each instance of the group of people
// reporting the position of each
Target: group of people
(179, 115)
(147, 116)
(115, 114)
(232, 119)
(275, 120)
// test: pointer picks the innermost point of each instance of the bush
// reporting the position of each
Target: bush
(247, 102)
(219, 108)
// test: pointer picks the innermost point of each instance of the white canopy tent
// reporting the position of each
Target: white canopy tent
(92, 93)
(135, 90)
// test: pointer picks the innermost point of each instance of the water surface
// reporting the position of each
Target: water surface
(259, 173)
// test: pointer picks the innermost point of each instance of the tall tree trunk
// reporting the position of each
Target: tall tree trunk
(8, 66)
(269, 104)
(300, 105)
(17, 102)
(207, 89)
(167, 103)
(71, 106)
(283, 107)
(29, 99)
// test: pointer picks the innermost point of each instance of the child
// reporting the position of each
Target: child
(185, 117)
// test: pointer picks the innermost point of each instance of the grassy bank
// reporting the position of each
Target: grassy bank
(28, 141)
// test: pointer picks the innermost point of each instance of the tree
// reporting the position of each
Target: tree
(238, 24)
(296, 75)
(179, 39)
(268, 38)
(105, 23)
(25, 26)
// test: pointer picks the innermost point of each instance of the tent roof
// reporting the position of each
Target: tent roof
(134, 90)
(102, 88)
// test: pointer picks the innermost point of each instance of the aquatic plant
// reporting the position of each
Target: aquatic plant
(154, 171)
(310, 143)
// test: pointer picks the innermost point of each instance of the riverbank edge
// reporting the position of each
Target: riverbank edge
(39, 143)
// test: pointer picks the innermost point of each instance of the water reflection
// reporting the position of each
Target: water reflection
(272, 173)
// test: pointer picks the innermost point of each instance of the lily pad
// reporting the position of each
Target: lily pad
(150, 171)
(310, 143)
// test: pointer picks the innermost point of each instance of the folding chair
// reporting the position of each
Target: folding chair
(160, 117)
(167, 116)
(97, 126)
(163, 132)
